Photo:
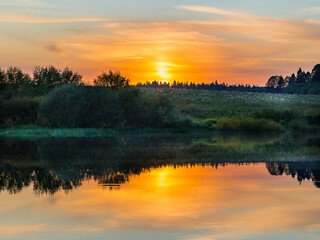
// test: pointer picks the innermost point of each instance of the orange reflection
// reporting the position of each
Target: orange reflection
(231, 198)
(241, 201)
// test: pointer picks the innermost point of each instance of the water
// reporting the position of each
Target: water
(160, 188)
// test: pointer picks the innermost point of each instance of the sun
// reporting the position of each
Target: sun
(163, 70)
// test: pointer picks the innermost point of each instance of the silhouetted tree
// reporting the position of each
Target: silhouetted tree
(316, 73)
(50, 77)
(112, 79)
(281, 83)
(2, 79)
(69, 77)
(15, 77)
(302, 77)
(303, 83)
(47, 76)
(292, 79)
(275, 82)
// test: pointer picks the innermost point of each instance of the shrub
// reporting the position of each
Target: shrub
(246, 124)
(94, 107)
(82, 106)
(18, 111)
(151, 110)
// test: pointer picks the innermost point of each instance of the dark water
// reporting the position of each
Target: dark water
(217, 187)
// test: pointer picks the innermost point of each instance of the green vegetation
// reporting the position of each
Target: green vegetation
(19, 111)
(33, 131)
(74, 106)
(56, 98)
(248, 112)
(248, 124)
(101, 107)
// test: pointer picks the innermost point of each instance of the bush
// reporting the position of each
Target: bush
(151, 110)
(95, 107)
(246, 124)
(18, 111)
(80, 107)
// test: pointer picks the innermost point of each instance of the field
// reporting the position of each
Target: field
(215, 104)
(162, 109)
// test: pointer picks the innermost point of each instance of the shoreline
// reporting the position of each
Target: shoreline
(42, 132)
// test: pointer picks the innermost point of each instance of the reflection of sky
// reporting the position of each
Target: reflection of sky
(233, 41)
(233, 202)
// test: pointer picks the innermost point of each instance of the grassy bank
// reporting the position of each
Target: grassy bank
(34, 131)
(88, 111)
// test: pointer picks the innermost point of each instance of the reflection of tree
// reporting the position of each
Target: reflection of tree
(14, 179)
(301, 170)
(51, 165)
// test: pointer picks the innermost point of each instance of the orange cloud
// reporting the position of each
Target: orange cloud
(228, 46)
(12, 17)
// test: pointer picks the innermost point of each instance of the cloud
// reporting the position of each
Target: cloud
(217, 11)
(313, 10)
(25, 3)
(12, 17)
(257, 27)
(19, 229)
(54, 48)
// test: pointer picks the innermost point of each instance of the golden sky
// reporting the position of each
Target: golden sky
(198, 41)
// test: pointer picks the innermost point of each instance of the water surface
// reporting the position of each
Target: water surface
(160, 188)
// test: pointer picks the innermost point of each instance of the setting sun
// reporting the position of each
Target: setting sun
(163, 71)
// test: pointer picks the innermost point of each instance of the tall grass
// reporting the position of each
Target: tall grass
(248, 124)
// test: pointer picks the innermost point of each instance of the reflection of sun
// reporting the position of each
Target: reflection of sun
(163, 69)
(162, 179)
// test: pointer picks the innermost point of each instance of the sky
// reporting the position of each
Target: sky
(231, 41)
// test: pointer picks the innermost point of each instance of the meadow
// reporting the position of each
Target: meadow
(66, 111)
(211, 104)
(219, 108)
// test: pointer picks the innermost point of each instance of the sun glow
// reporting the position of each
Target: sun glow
(163, 70)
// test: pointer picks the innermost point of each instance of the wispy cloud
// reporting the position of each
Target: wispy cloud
(12, 17)
(257, 27)
(25, 3)
(54, 48)
(217, 11)
(313, 10)
(16, 230)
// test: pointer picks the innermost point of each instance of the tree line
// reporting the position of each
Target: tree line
(302, 82)
(214, 86)
(44, 79)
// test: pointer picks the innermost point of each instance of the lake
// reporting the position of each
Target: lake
(160, 187)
